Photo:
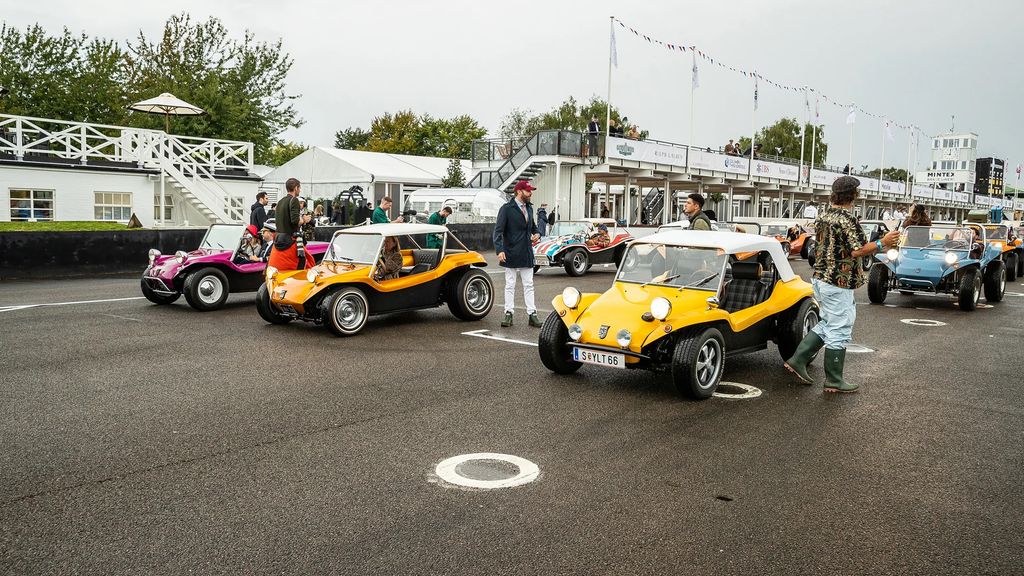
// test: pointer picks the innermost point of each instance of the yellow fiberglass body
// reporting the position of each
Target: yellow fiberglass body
(679, 319)
(353, 282)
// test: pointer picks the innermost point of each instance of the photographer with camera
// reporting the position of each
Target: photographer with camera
(380, 213)
(289, 251)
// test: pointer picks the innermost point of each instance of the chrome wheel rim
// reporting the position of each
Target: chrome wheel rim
(709, 363)
(478, 295)
(579, 262)
(810, 320)
(1002, 281)
(210, 289)
(977, 291)
(349, 312)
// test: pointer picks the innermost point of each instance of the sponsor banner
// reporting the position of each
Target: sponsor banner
(961, 197)
(943, 194)
(1007, 202)
(982, 200)
(643, 151)
(775, 170)
(922, 192)
(897, 188)
(1018, 204)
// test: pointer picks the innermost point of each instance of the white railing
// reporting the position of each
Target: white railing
(192, 162)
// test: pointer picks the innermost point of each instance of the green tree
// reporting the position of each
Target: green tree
(515, 123)
(455, 178)
(569, 115)
(890, 173)
(784, 134)
(351, 138)
(240, 83)
(283, 152)
(451, 138)
(405, 132)
(396, 133)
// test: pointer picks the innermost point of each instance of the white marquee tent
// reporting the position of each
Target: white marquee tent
(324, 172)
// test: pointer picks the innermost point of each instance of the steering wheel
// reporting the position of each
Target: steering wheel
(699, 275)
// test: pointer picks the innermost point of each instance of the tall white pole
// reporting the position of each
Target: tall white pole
(753, 135)
(803, 136)
(850, 161)
(693, 62)
(814, 138)
(608, 102)
(881, 164)
(910, 154)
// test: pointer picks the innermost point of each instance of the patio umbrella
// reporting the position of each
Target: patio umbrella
(167, 104)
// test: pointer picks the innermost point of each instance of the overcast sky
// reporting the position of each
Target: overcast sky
(917, 61)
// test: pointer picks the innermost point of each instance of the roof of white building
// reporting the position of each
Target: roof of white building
(320, 165)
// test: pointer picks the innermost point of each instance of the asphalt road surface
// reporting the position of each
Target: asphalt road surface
(143, 439)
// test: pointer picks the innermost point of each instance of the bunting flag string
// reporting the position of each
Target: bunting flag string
(758, 77)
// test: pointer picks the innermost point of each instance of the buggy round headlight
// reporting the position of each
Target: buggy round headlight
(624, 337)
(951, 258)
(153, 254)
(892, 254)
(312, 275)
(575, 331)
(571, 297)
(180, 256)
(661, 308)
(271, 272)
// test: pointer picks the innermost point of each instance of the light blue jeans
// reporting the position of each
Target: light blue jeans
(838, 312)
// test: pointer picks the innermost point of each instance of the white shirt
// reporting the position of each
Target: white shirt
(887, 215)
(810, 211)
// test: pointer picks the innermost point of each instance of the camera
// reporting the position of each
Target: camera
(409, 216)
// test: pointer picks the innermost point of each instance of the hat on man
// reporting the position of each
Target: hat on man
(270, 225)
(845, 184)
(252, 229)
(523, 185)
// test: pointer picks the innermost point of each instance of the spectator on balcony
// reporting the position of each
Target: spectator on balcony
(846, 169)
(614, 129)
(633, 133)
(730, 148)
(593, 130)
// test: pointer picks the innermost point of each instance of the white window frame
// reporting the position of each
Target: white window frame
(32, 204)
(168, 207)
(99, 203)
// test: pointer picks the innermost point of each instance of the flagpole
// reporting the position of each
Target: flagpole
(608, 102)
(910, 148)
(881, 164)
(693, 59)
(803, 136)
(814, 138)
(753, 136)
(850, 162)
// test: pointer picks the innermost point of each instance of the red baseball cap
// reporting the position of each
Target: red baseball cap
(251, 229)
(523, 185)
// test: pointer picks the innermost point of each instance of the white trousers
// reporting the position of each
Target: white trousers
(510, 289)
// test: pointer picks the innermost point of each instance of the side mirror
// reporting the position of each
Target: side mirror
(713, 303)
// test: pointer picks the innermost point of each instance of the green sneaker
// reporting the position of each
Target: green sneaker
(835, 361)
(534, 321)
(507, 320)
(805, 352)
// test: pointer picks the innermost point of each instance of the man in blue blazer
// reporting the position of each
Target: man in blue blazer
(514, 234)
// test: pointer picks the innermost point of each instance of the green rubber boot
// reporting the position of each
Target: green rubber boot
(835, 361)
(805, 352)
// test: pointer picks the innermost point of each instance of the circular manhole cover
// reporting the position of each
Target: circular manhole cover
(736, 391)
(922, 322)
(487, 470)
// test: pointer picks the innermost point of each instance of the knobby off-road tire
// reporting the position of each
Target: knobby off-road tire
(553, 346)
(471, 296)
(266, 310)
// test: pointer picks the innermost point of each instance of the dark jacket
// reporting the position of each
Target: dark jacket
(512, 235)
(287, 215)
(542, 221)
(257, 215)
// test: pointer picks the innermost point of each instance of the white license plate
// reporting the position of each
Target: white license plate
(599, 358)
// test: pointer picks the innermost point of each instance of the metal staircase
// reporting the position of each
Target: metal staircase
(523, 162)
(653, 203)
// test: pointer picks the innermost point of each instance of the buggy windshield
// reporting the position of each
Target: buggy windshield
(681, 266)
(937, 238)
(354, 248)
(996, 232)
(775, 230)
(569, 227)
(222, 237)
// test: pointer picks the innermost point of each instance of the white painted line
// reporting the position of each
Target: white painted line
(24, 306)
(890, 305)
(122, 317)
(446, 470)
(749, 391)
(480, 334)
(858, 349)
(1014, 293)
(922, 322)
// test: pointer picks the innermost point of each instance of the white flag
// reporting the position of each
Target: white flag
(888, 132)
(852, 116)
(696, 81)
(615, 53)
